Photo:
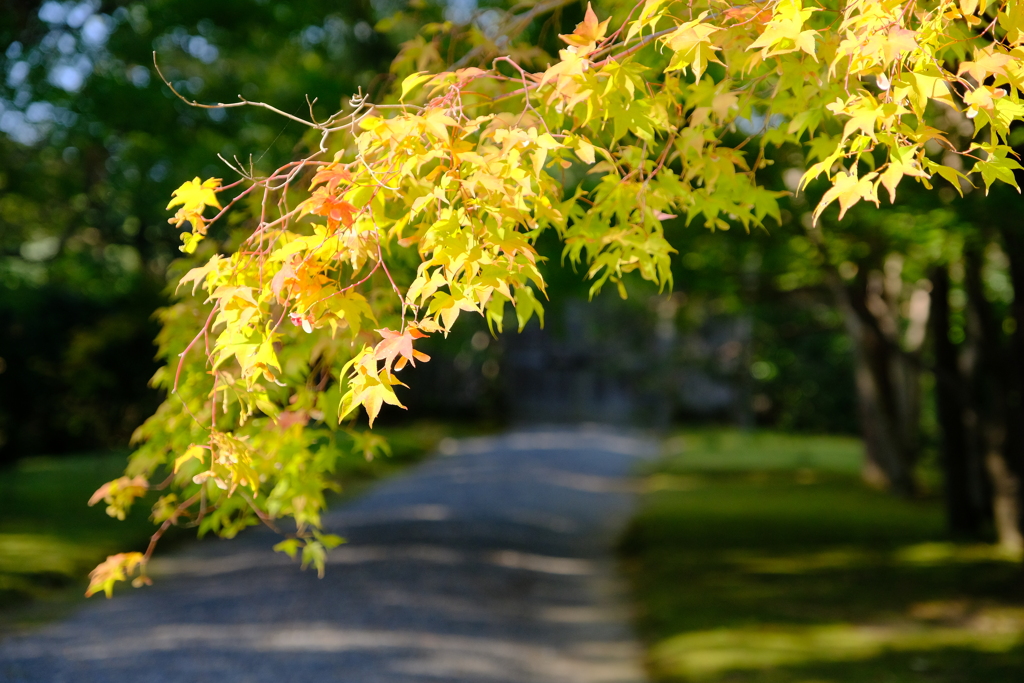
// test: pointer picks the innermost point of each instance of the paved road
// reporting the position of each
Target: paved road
(488, 563)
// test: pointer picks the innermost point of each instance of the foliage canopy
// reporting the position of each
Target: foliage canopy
(427, 204)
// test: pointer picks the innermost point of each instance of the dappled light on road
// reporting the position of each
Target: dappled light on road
(491, 562)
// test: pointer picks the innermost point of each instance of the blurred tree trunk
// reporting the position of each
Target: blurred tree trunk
(1013, 241)
(989, 414)
(887, 377)
(887, 381)
(745, 333)
(962, 483)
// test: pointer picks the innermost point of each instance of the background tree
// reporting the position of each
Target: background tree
(85, 177)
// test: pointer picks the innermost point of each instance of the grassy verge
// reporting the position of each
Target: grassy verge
(762, 558)
(50, 539)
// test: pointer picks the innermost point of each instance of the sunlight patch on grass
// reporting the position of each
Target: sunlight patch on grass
(731, 450)
(671, 482)
(916, 555)
(703, 654)
(39, 554)
(802, 563)
(924, 554)
(763, 558)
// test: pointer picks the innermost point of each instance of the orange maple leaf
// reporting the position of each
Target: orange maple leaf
(332, 175)
(588, 32)
(399, 345)
(334, 209)
(755, 12)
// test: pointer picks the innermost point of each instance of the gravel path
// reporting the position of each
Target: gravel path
(488, 563)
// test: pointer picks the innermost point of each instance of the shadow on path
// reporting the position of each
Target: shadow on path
(490, 562)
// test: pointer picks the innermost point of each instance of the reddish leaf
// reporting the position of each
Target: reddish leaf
(332, 175)
(283, 277)
(398, 345)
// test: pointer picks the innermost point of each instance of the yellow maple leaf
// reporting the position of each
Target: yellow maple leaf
(585, 151)
(785, 34)
(920, 87)
(848, 189)
(692, 46)
(864, 114)
(982, 97)
(649, 16)
(436, 122)
(902, 162)
(898, 42)
(119, 494)
(372, 391)
(194, 451)
(986, 62)
(194, 196)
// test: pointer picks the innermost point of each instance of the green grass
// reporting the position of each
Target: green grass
(762, 558)
(50, 538)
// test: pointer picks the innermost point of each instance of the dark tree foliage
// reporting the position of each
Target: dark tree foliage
(92, 143)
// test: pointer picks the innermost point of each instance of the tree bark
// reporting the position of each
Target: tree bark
(989, 396)
(886, 394)
(887, 378)
(964, 511)
(1013, 241)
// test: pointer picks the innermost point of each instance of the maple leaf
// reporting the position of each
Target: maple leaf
(119, 494)
(336, 210)
(920, 86)
(982, 97)
(166, 508)
(371, 391)
(115, 568)
(585, 151)
(588, 32)
(377, 392)
(413, 81)
(282, 278)
(194, 196)
(448, 307)
(692, 46)
(998, 166)
(399, 345)
(899, 41)
(848, 189)
(902, 162)
(649, 16)
(784, 33)
(986, 62)
(333, 175)
(368, 386)
(193, 452)
(437, 122)
(198, 275)
(864, 113)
